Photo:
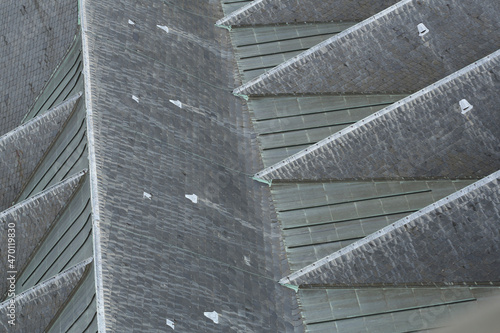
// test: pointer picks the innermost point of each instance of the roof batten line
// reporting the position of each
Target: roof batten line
(287, 39)
(306, 128)
(323, 243)
(325, 111)
(347, 220)
(358, 200)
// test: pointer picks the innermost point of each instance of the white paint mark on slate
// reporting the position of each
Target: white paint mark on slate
(171, 324)
(214, 316)
(178, 103)
(147, 195)
(131, 22)
(192, 197)
(163, 27)
(135, 98)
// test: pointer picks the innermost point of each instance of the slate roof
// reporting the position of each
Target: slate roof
(317, 202)
(35, 35)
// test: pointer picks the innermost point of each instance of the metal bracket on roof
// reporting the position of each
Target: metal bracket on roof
(268, 182)
(291, 286)
(245, 97)
(228, 27)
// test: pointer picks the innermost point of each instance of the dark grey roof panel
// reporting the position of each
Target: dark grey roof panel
(262, 12)
(22, 149)
(423, 135)
(386, 54)
(35, 38)
(388, 310)
(31, 219)
(455, 240)
(36, 307)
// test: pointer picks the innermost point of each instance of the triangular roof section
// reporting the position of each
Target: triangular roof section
(22, 149)
(262, 12)
(31, 219)
(453, 241)
(37, 307)
(402, 49)
(35, 37)
(447, 130)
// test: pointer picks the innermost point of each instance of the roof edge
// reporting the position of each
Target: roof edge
(46, 114)
(94, 194)
(225, 19)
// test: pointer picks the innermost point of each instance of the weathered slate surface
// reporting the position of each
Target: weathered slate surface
(182, 258)
(34, 36)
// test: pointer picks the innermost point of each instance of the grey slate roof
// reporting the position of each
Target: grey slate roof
(160, 125)
(265, 12)
(65, 82)
(34, 37)
(452, 241)
(36, 307)
(385, 53)
(32, 218)
(22, 149)
(182, 258)
(424, 135)
(321, 212)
